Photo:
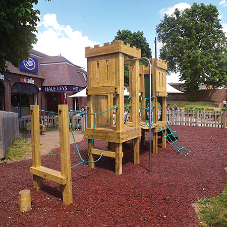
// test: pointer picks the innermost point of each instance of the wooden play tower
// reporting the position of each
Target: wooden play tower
(105, 80)
(159, 94)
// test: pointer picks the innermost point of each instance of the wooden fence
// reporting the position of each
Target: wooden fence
(197, 118)
(9, 130)
(77, 122)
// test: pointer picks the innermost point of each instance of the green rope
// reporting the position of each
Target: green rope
(40, 110)
(86, 161)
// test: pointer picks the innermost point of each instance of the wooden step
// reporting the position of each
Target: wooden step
(48, 174)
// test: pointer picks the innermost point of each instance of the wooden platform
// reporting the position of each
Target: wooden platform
(155, 127)
(109, 133)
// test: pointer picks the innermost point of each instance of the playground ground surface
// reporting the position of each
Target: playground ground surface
(164, 197)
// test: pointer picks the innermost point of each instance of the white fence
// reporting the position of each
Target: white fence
(197, 118)
(9, 130)
(77, 122)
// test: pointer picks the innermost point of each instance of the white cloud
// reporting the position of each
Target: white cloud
(169, 11)
(59, 39)
(225, 28)
(224, 3)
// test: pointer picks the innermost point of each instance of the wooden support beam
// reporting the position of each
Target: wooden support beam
(143, 138)
(108, 153)
(118, 159)
(164, 139)
(65, 153)
(35, 139)
(91, 163)
(136, 150)
(155, 142)
(48, 174)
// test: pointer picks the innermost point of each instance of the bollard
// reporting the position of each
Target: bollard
(25, 200)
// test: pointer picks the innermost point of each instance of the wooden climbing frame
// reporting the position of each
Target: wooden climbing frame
(39, 172)
(105, 81)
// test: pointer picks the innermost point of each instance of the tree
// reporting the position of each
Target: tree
(18, 21)
(194, 44)
(134, 39)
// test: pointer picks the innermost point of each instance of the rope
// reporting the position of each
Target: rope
(86, 161)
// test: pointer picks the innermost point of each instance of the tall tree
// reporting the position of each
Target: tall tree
(18, 21)
(138, 40)
(195, 45)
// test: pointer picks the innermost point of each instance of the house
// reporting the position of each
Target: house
(42, 80)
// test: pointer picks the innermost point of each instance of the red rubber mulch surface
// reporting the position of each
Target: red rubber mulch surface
(163, 197)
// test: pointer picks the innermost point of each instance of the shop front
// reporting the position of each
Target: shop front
(22, 96)
(55, 95)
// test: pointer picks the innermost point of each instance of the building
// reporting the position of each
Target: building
(42, 80)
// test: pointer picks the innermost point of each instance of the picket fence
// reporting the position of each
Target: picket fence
(197, 118)
(77, 122)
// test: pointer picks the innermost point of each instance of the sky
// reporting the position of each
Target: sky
(67, 27)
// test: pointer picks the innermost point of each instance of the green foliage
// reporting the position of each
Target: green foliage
(19, 148)
(195, 45)
(139, 41)
(18, 21)
(214, 210)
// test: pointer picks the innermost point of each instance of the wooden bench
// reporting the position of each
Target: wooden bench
(28, 127)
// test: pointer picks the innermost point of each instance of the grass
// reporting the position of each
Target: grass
(198, 104)
(19, 148)
(213, 211)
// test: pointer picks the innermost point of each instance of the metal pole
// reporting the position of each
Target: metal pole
(149, 62)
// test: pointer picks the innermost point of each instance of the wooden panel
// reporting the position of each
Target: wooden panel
(48, 174)
(102, 90)
(117, 47)
(104, 152)
(146, 70)
(113, 136)
(161, 93)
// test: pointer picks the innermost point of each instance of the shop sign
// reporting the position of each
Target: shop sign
(1, 77)
(30, 65)
(27, 81)
(61, 88)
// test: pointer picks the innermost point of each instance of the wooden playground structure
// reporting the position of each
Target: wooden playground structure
(105, 80)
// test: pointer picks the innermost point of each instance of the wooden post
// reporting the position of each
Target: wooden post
(118, 159)
(143, 138)
(155, 142)
(25, 200)
(134, 115)
(65, 153)
(35, 139)
(91, 163)
(164, 118)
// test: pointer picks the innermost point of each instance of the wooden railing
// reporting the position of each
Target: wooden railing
(197, 118)
(77, 122)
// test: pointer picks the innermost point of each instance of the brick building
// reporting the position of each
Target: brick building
(43, 80)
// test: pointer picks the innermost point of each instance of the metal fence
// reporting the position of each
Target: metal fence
(9, 130)
(197, 118)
